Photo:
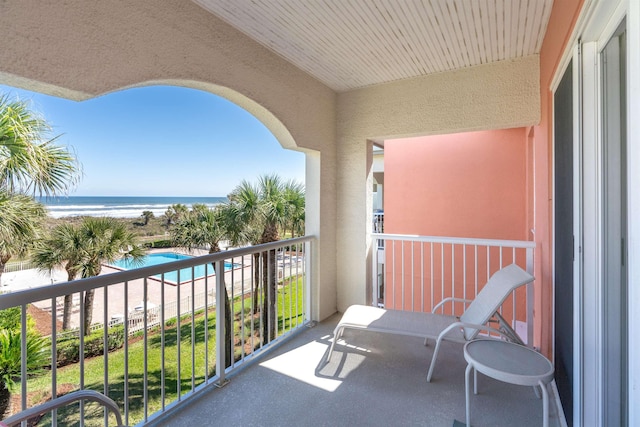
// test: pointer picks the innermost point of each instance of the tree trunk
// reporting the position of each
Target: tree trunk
(269, 234)
(4, 259)
(68, 301)
(66, 312)
(270, 297)
(88, 310)
(228, 330)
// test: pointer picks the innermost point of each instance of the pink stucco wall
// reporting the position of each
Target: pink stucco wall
(460, 185)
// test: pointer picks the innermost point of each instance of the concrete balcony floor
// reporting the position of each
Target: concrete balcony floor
(374, 380)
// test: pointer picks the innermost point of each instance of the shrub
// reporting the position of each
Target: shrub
(164, 243)
(10, 361)
(68, 349)
(11, 319)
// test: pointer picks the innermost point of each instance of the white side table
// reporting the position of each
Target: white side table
(508, 362)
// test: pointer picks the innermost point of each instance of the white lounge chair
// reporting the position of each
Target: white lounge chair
(483, 309)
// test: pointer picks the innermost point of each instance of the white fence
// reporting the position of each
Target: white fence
(19, 266)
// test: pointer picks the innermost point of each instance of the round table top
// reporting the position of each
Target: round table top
(508, 362)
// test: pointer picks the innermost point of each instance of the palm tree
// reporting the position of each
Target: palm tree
(262, 209)
(21, 220)
(29, 164)
(293, 193)
(207, 227)
(83, 248)
(63, 247)
(146, 216)
(175, 212)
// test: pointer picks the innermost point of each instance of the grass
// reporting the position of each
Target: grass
(290, 303)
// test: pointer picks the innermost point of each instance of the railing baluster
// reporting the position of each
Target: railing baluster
(393, 278)
(82, 333)
(413, 308)
(178, 337)
(105, 346)
(432, 284)
(442, 273)
(453, 278)
(422, 276)
(23, 355)
(193, 329)
(242, 308)
(162, 342)
(206, 324)
(221, 343)
(145, 340)
(54, 358)
(126, 352)
(464, 275)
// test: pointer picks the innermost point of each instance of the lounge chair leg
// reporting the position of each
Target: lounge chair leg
(336, 335)
(433, 360)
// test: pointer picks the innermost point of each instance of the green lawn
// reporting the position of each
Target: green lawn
(290, 314)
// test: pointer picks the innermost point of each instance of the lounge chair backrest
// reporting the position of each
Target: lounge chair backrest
(491, 297)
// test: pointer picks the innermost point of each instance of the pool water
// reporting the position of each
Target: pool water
(171, 276)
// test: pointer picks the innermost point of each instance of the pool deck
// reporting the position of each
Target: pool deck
(115, 302)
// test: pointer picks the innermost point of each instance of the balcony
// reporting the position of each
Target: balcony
(176, 374)
(375, 380)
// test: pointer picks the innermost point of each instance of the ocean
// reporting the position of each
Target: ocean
(119, 206)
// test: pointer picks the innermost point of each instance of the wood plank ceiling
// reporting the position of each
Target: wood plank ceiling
(349, 44)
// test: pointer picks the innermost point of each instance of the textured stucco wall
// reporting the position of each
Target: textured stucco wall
(500, 95)
(79, 49)
(494, 96)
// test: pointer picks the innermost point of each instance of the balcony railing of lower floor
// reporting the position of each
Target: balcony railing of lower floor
(415, 273)
(155, 340)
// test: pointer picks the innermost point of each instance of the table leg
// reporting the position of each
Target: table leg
(475, 381)
(545, 404)
(467, 393)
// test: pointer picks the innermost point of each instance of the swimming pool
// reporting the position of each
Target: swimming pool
(171, 276)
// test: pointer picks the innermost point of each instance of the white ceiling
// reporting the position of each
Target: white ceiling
(349, 44)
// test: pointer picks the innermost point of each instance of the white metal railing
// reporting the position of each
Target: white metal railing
(19, 266)
(415, 273)
(165, 365)
(378, 222)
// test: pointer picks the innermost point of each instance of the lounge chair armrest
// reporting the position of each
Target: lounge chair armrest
(450, 299)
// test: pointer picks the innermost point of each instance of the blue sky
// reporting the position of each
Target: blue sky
(163, 141)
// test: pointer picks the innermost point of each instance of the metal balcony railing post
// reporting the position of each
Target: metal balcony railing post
(221, 344)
